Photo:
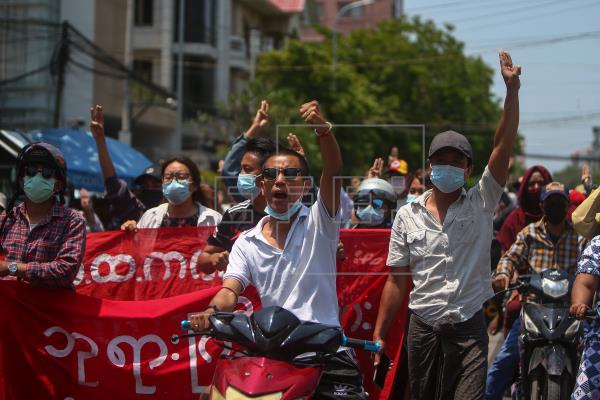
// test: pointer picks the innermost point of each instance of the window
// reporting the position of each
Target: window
(143, 12)
(355, 12)
(198, 85)
(313, 13)
(143, 70)
(320, 11)
(200, 17)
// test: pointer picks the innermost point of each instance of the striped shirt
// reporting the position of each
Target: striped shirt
(53, 249)
(237, 219)
(534, 248)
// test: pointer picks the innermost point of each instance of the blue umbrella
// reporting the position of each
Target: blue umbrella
(83, 167)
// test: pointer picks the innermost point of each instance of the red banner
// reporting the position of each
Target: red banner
(148, 264)
(59, 344)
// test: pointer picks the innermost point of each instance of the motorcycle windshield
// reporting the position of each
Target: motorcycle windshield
(275, 332)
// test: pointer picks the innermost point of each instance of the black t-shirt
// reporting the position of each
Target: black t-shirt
(236, 220)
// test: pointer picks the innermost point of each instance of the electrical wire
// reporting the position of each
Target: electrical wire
(530, 17)
(25, 75)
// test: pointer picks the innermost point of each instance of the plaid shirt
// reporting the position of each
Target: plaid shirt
(53, 250)
(535, 249)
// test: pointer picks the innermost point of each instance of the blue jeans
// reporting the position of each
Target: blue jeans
(505, 364)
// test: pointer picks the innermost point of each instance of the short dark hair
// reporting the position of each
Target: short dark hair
(263, 147)
(284, 151)
(194, 172)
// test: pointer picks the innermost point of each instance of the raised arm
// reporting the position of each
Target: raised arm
(586, 218)
(233, 159)
(97, 128)
(506, 131)
(330, 154)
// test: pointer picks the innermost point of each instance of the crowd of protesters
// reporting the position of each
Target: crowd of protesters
(446, 237)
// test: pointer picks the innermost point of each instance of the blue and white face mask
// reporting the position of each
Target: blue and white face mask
(176, 192)
(284, 216)
(246, 184)
(370, 215)
(447, 178)
(411, 198)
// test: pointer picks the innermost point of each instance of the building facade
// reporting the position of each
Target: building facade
(222, 39)
(327, 13)
(33, 69)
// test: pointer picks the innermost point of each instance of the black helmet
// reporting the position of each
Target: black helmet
(153, 171)
(44, 153)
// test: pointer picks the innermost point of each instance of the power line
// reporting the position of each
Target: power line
(510, 11)
(541, 42)
(461, 6)
(574, 157)
(565, 119)
(529, 17)
(25, 75)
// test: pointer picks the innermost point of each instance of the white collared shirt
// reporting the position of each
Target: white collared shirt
(154, 216)
(450, 263)
(301, 277)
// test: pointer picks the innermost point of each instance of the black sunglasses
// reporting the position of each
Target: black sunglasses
(270, 174)
(363, 201)
(47, 172)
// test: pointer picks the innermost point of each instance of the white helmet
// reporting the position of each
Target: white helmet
(381, 188)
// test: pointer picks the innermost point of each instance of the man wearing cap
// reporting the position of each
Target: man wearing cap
(41, 240)
(443, 240)
(550, 243)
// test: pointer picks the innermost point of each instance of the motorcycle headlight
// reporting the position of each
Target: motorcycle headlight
(529, 325)
(233, 394)
(573, 329)
(555, 289)
(215, 394)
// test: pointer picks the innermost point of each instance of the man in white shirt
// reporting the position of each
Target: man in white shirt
(289, 257)
(443, 239)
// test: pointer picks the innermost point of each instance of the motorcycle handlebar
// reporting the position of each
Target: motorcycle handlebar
(346, 341)
(511, 288)
(361, 344)
(591, 314)
(186, 325)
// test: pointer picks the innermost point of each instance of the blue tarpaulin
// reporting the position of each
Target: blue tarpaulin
(83, 166)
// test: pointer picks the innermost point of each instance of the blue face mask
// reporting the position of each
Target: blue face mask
(284, 216)
(246, 184)
(176, 192)
(370, 216)
(37, 188)
(447, 178)
(410, 198)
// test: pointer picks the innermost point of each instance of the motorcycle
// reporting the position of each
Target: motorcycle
(276, 343)
(549, 340)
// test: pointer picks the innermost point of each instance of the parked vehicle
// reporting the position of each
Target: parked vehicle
(550, 337)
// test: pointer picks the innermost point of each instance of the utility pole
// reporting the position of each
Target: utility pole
(343, 10)
(125, 133)
(177, 137)
(398, 9)
(59, 62)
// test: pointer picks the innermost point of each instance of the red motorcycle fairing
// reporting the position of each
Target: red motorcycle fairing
(256, 376)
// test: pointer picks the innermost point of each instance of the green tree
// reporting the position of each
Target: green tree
(401, 72)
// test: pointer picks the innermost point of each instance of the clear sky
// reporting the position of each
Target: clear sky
(557, 42)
